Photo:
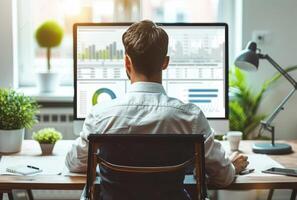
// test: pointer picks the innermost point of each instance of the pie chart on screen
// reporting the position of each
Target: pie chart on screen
(101, 95)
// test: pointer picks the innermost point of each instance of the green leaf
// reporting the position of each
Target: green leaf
(244, 103)
(47, 136)
(16, 110)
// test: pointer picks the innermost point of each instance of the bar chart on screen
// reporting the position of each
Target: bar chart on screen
(100, 49)
(205, 94)
(92, 52)
(196, 46)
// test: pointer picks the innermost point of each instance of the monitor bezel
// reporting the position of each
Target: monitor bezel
(225, 25)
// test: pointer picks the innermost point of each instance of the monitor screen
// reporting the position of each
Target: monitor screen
(197, 71)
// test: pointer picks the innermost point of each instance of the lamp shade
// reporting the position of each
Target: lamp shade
(248, 59)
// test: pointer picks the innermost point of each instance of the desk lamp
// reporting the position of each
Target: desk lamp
(248, 60)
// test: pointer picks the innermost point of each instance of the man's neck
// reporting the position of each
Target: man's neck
(141, 78)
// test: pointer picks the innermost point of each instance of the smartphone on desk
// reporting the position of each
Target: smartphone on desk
(281, 171)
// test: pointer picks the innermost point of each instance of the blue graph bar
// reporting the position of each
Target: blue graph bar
(200, 101)
(203, 95)
(203, 90)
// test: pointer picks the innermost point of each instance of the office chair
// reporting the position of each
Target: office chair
(145, 154)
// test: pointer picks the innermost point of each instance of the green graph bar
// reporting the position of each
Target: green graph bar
(110, 52)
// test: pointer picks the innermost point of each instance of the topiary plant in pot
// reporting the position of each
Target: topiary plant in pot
(17, 112)
(48, 35)
(47, 139)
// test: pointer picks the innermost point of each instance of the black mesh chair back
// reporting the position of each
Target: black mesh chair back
(149, 157)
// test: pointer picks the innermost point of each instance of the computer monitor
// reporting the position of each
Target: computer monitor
(197, 71)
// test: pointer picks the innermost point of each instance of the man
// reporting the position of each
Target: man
(147, 109)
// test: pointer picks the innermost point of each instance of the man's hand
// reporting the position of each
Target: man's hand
(239, 161)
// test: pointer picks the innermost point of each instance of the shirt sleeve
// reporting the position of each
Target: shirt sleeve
(219, 169)
(77, 157)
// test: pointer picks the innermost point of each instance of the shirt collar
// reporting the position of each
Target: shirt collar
(147, 87)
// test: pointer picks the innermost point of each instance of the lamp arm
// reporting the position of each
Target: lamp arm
(283, 72)
(280, 69)
(272, 116)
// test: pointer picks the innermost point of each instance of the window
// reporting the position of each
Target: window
(31, 13)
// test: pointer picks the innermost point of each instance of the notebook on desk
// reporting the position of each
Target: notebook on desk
(23, 170)
(50, 165)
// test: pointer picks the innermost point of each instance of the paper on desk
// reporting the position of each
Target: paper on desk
(66, 172)
(261, 162)
(50, 165)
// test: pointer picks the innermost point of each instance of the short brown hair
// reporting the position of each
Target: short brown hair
(147, 45)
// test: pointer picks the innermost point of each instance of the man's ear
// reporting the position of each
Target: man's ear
(165, 62)
(128, 63)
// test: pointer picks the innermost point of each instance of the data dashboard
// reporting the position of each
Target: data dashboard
(196, 72)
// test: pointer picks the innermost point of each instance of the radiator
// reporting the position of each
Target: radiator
(59, 118)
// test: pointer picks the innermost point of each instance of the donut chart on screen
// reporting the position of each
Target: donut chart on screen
(102, 91)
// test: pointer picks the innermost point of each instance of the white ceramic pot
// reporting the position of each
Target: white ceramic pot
(11, 140)
(47, 82)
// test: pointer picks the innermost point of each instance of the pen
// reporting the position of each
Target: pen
(246, 171)
(30, 166)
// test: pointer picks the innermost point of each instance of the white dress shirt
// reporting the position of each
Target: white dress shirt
(147, 109)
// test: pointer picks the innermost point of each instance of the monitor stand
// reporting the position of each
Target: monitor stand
(77, 126)
(220, 126)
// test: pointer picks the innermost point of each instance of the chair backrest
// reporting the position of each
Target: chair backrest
(186, 148)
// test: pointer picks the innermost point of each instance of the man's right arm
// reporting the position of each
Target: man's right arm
(219, 168)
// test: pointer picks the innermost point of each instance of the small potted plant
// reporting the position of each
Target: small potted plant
(48, 35)
(47, 139)
(17, 112)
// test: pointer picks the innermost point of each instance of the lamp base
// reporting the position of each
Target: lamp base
(268, 148)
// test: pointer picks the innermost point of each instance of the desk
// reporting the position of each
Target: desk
(62, 182)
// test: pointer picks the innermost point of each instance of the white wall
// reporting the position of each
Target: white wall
(279, 17)
(7, 44)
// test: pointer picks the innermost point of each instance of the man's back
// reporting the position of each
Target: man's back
(147, 109)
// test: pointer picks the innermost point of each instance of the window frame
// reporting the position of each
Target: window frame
(225, 7)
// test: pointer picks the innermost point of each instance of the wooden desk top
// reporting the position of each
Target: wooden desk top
(31, 148)
(268, 181)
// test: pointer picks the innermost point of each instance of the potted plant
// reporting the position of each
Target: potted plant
(47, 139)
(17, 112)
(48, 35)
(244, 103)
